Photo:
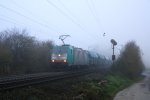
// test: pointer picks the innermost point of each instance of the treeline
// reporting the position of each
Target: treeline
(21, 53)
(129, 62)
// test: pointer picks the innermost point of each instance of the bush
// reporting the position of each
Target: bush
(129, 62)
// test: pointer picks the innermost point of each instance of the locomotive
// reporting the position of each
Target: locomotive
(73, 57)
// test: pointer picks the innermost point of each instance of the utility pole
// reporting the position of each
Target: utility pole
(63, 37)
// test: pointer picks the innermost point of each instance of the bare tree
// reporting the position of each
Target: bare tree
(5, 59)
(26, 54)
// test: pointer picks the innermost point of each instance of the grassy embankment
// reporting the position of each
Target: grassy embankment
(102, 90)
(89, 87)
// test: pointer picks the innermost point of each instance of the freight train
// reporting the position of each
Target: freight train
(73, 57)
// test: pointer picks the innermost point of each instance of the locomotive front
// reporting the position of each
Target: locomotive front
(59, 54)
(62, 55)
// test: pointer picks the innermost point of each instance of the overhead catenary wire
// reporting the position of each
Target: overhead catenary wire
(16, 4)
(2, 19)
(70, 18)
(68, 10)
(20, 14)
(12, 20)
(33, 14)
(62, 12)
(98, 17)
(8, 20)
(94, 13)
(70, 13)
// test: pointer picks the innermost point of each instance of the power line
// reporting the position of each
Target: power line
(15, 3)
(75, 17)
(68, 10)
(14, 22)
(18, 13)
(99, 19)
(93, 11)
(62, 12)
(31, 13)
(6, 20)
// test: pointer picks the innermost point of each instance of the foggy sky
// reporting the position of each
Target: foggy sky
(84, 20)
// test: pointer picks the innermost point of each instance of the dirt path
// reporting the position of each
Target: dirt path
(138, 91)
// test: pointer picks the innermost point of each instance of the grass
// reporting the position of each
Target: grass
(93, 90)
(89, 87)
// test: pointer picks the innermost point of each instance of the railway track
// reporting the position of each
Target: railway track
(15, 81)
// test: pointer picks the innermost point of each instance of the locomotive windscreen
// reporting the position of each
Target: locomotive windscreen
(59, 49)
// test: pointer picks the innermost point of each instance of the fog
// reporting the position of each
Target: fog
(85, 21)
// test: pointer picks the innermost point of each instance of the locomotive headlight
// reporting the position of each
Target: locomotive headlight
(59, 55)
(64, 60)
(53, 61)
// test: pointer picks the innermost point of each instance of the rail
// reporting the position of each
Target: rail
(16, 81)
